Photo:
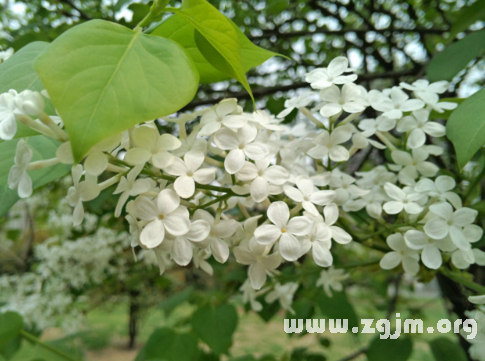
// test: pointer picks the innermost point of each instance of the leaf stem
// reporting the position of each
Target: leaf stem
(33, 339)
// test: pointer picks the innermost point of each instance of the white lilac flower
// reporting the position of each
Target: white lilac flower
(426, 91)
(262, 176)
(149, 145)
(283, 230)
(440, 189)
(188, 172)
(200, 260)
(182, 250)
(405, 198)
(166, 215)
(8, 124)
(331, 214)
(344, 187)
(18, 178)
(80, 192)
(226, 113)
(240, 144)
(328, 144)
(219, 232)
(381, 124)
(395, 104)
(296, 102)
(5, 54)
(191, 143)
(463, 259)
(417, 126)
(129, 186)
(97, 160)
(400, 254)
(250, 295)
(284, 294)
(430, 248)
(322, 78)
(259, 260)
(457, 224)
(361, 140)
(319, 241)
(309, 195)
(263, 120)
(29, 102)
(340, 100)
(332, 279)
(413, 164)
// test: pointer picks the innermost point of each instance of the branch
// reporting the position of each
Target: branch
(293, 34)
(82, 14)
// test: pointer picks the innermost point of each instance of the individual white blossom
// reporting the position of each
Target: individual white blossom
(227, 113)
(329, 144)
(149, 145)
(283, 230)
(417, 126)
(166, 215)
(18, 178)
(457, 224)
(188, 172)
(262, 176)
(309, 195)
(284, 294)
(338, 100)
(81, 191)
(240, 145)
(394, 104)
(401, 254)
(322, 78)
(332, 279)
(402, 199)
(259, 259)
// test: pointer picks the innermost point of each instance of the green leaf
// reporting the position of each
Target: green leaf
(18, 72)
(447, 113)
(42, 148)
(444, 349)
(180, 30)
(176, 300)
(104, 78)
(466, 127)
(337, 307)
(467, 17)
(399, 349)
(11, 323)
(216, 38)
(169, 345)
(215, 326)
(449, 62)
(275, 7)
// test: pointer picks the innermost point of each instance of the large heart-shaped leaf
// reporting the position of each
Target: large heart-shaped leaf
(449, 62)
(104, 78)
(180, 30)
(11, 323)
(218, 40)
(466, 127)
(215, 326)
(43, 148)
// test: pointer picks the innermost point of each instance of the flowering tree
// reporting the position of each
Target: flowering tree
(366, 178)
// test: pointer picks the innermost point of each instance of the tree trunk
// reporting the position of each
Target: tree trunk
(133, 319)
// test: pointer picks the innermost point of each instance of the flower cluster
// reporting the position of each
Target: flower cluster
(250, 185)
